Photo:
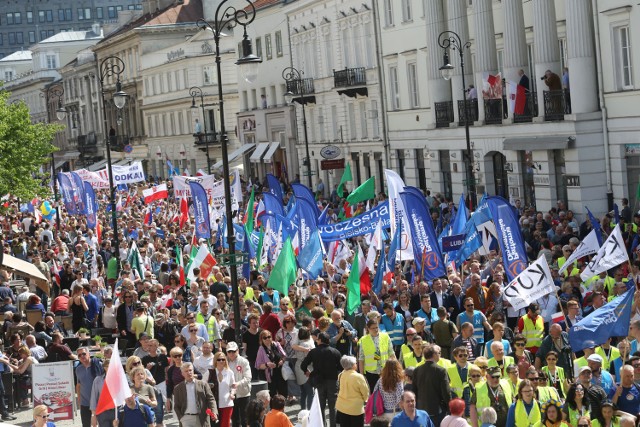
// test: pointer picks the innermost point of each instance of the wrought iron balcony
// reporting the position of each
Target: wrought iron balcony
(118, 142)
(301, 87)
(557, 103)
(530, 109)
(350, 77)
(204, 138)
(444, 114)
(470, 106)
(87, 144)
(493, 111)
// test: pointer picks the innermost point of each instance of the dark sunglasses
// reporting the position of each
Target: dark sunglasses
(136, 363)
(221, 360)
(177, 356)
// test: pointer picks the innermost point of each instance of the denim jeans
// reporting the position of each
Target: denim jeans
(306, 395)
(327, 393)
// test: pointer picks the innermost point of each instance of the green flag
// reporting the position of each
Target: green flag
(248, 216)
(133, 257)
(364, 192)
(284, 271)
(346, 176)
(353, 285)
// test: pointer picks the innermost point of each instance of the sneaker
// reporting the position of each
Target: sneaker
(8, 417)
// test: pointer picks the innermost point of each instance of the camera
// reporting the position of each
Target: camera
(543, 77)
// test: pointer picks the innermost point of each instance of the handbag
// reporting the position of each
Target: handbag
(287, 372)
(374, 406)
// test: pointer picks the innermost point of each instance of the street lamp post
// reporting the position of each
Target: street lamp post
(229, 17)
(197, 91)
(451, 40)
(112, 67)
(53, 92)
(291, 75)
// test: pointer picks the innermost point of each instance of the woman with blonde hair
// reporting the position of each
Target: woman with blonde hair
(223, 387)
(146, 394)
(41, 417)
(391, 385)
(270, 359)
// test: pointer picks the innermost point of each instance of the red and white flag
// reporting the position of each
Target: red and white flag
(204, 261)
(365, 278)
(517, 98)
(116, 388)
(184, 211)
(157, 192)
(558, 317)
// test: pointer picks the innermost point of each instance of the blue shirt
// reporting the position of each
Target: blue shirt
(395, 328)
(606, 382)
(487, 348)
(93, 306)
(421, 420)
(629, 400)
(135, 417)
(85, 377)
(430, 317)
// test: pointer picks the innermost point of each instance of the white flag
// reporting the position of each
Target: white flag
(587, 247)
(612, 253)
(374, 244)
(398, 213)
(315, 413)
(530, 285)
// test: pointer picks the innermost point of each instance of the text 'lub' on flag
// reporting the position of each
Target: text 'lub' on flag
(366, 191)
(284, 271)
(610, 320)
(530, 285)
(612, 253)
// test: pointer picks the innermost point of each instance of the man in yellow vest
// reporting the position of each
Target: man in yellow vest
(531, 326)
(374, 350)
(459, 371)
(414, 356)
(608, 353)
(495, 393)
(581, 362)
(541, 391)
(499, 359)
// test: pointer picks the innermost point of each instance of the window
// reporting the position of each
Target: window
(334, 123)
(352, 121)
(19, 37)
(8, 75)
(622, 49)
(80, 14)
(99, 13)
(41, 16)
(407, 13)
(43, 34)
(17, 17)
(32, 36)
(9, 18)
(118, 8)
(29, 17)
(49, 14)
(393, 86)
(61, 15)
(87, 12)
(111, 12)
(131, 7)
(267, 46)
(279, 43)
(258, 47)
(12, 38)
(207, 75)
(375, 121)
(388, 13)
(563, 52)
(412, 77)
(50, 33)
(51, 62)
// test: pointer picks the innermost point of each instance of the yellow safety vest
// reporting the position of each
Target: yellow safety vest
(514, 387)
(507, 360)
(405, 349)
(249, 294)
(370, 354)
(561, 377)
(523, 419)
(455, 382)
(534, 333)
(546, 393)
(444, 363)
(483, 400)
(410, 360)
(211, 324)
(615, 354)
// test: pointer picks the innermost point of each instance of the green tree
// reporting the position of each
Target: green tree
(24, 148)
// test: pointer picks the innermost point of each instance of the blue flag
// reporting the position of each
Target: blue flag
(426, 251)
(616, 213)
(514, 251)
(66, 189)
(472, 242)
(311, 256)
(272, 205)
(91, 206)
(610, 320)
(322, 218)
(200, 210)
(78, 197)
(307, 221)
(160, 233)
(393, 248)
(301, 191)
(380, 269)
(274, 187)
(172, 170)
(595, 224)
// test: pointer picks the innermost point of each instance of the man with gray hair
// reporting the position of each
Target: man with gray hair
(410, 416)
(265, 398)
(193, 399)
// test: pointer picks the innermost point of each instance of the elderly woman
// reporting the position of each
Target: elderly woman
(353, 393)
(270, 359)
(456, 419)
(145, 392)
(34, 303)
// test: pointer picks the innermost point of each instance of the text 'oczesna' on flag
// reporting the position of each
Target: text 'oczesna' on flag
(530, 285)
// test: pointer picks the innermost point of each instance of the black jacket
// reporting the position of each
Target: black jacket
(326, 363)
(431, 386)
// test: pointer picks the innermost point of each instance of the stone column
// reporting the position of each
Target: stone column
(545, 39)
(581, 57)
(515, 42)
(439, 88)
(486, 56)
(457, 21)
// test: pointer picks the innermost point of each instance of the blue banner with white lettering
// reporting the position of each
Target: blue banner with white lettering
(311, 256)
(79, 197)
(301, 191)
(514, 252)
(274, 188)
(472, 242)
(239, 232)
(610, 320)
(364, 223)
(66, 189)
(426, 251)
(595, 224)
(307, 220)
(272, 205)
(91, 206)
(200, 210)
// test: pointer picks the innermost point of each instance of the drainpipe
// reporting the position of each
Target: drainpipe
(603, 106)
(382, 85)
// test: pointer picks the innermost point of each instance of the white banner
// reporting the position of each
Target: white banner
(53, 386)
(530, 285)
(129, 174)
(587, 247)
(612, 253)
(96, 181)
(396, 209)
(213, 188)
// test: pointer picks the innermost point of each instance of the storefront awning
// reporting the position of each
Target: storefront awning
(235, 154)
(257, 155)
(25, 269)
(97, 166)
(72, 155)
(59, 164)
(272, 149)
(532, 143)
(123, 162)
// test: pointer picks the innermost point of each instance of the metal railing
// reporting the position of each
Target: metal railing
(301, 87)
(493, 111)
(557, 103)
(350, 77)
(530, 109)
(444, 114)
(471, 107)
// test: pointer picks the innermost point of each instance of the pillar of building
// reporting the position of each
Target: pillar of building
(486, 56)
(581, 57)
(545, 39)
(439, 88)
(515, 41)
(457, 22)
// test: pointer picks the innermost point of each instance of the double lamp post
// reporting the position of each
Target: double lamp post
(54, 93)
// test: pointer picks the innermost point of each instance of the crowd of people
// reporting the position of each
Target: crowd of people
(450, 351)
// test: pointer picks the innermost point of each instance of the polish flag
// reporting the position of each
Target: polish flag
(166, 301)
(116, 388)
(200, 172)
(157, 192)
(365, 278)
(557, 317)
(184, 211)
(261, 210)
(148, 217)
(204, 261)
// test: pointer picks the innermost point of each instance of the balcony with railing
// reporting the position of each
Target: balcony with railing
(303, 90)
(202, 139)
(530, 109)
(557, 103)
(87, 144)
(118, 142)
(470, 107)
(444, 114)
(351, 81)
(494, 111)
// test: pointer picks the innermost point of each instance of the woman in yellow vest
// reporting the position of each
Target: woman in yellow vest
(555, 374)
(475, 378)
(525, 412)
(551, 415)
(577, 405)
(513, 379)
(608, 418)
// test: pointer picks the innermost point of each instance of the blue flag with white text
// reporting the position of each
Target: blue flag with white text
(274, 187)
(200, 210)
(514, 251)
(91, 206)
(66, 189)
(79, 197)
(311, 256)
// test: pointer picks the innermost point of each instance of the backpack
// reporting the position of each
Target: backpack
(142, 411)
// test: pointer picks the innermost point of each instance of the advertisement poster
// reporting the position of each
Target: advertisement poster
(53, 386)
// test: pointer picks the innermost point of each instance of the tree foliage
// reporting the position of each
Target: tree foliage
(24, 148)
